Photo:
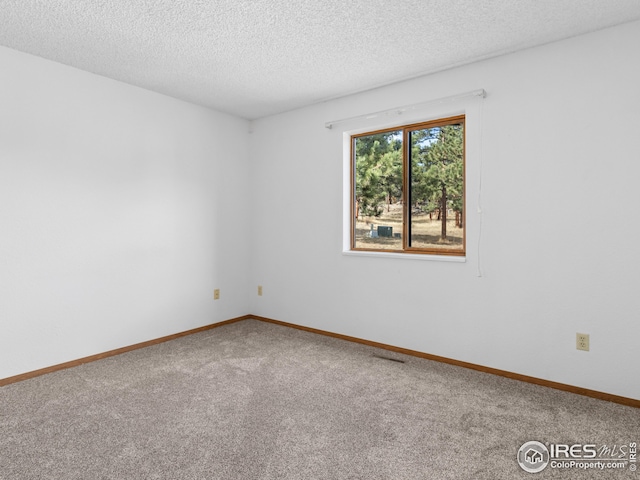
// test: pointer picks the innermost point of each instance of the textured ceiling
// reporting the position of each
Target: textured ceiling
(254, 58)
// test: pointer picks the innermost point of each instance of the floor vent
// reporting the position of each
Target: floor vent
(389, 358)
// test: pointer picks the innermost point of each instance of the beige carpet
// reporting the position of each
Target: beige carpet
(252, 400)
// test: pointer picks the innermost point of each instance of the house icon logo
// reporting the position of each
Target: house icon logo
(533, 457)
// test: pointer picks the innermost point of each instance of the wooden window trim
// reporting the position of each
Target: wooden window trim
(406, 249)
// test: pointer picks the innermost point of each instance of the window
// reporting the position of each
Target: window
(407, 189)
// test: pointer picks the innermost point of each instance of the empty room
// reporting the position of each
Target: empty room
(319, 240)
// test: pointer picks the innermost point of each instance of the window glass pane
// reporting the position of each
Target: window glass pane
(378, 191)
(437, 187)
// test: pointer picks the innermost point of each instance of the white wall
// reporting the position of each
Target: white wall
(120, 211)
(559, 248)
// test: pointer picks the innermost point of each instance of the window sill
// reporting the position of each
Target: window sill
(406, 256)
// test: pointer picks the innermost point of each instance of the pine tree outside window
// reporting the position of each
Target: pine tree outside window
(408, 189)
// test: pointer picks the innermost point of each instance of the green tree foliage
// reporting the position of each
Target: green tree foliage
(437, 171)
(378, 172)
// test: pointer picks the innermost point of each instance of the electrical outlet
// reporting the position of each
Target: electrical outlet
(582, 341)
(216, 294)
(260, 290)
